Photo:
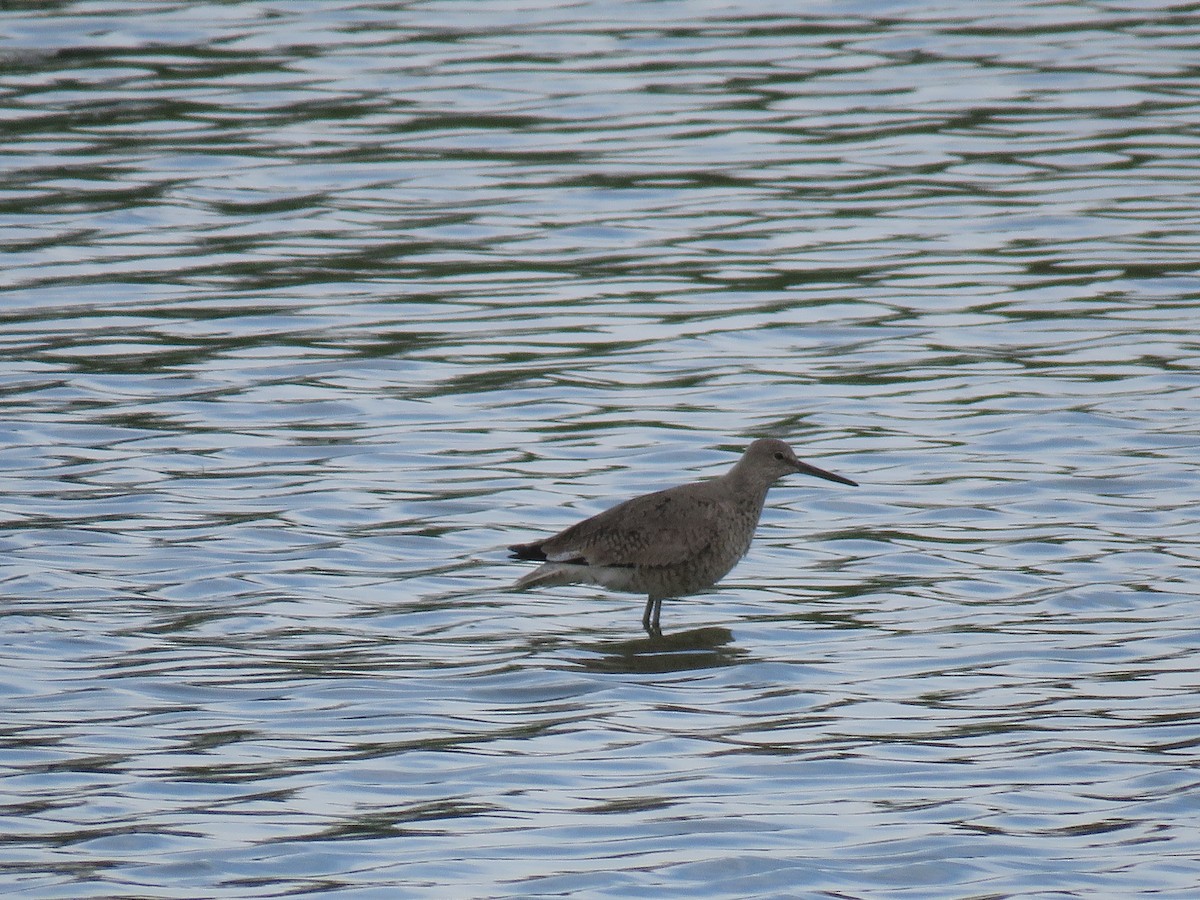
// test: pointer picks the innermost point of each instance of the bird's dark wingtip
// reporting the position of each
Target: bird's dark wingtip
(532, 551)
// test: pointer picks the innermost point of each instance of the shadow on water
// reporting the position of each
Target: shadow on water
(700, 648)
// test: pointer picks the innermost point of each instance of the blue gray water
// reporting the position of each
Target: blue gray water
(309, 309)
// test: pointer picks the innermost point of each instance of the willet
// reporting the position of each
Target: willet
(670, 543)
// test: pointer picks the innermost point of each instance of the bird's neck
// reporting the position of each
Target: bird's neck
(747, 487)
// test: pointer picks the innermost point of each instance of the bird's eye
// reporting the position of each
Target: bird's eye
(779, 456)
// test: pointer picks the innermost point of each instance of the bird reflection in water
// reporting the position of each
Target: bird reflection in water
(683, 651)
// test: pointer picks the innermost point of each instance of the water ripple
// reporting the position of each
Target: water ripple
(308, 313)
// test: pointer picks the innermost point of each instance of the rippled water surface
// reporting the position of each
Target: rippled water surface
(310, 309)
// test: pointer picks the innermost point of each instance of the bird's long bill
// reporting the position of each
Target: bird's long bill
(806, 469)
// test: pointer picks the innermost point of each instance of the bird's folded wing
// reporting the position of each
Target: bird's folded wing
(661, 529)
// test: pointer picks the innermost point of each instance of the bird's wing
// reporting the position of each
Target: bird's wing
(661, 529)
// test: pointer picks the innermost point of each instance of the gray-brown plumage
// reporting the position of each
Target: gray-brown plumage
(670, 543)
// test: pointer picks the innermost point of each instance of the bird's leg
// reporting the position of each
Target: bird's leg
(651, 616)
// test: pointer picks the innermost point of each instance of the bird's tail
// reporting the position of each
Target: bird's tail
(532, 551)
